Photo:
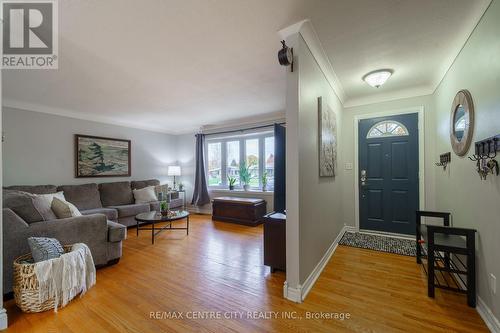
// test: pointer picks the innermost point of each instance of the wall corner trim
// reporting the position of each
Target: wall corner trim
(489, 318)
(3, 319)
(299, 294)
(292, 294)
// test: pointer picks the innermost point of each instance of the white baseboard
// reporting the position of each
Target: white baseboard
(299, 294)
(3, 319)
(489, 318)
(292, 294)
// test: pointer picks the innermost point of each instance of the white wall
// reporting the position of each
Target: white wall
(39, 149)
(314, 204)
(378, 109)
(474, 203)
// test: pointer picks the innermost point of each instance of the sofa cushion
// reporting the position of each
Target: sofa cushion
(111, 214)
(64, 209)
(116, 194)
(35, 189)
(154, 206)
(138, 184)
(145, 195)
(22, 204)
(84, 196)
(116, 231)
(43, 203)
(43, 248)
(131, 210)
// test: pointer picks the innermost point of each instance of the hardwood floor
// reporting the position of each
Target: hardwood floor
(218, 267)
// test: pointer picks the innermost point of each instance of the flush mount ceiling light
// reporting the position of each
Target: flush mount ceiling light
(378, 77)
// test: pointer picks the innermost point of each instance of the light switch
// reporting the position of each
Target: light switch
(348, 166)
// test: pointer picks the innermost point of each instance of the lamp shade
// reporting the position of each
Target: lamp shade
(174, 170)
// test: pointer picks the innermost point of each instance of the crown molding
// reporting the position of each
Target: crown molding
(306, 30)
(390, 96)
(14, 104)
(242, 123)
(308, 33)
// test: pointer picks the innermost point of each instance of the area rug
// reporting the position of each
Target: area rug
(381, 243)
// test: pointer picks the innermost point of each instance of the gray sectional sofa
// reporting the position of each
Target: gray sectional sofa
(107, 210)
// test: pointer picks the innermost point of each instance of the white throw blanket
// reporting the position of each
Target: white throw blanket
(67, 276)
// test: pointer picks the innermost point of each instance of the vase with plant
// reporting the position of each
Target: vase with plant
(164, 208)
(264, 181)
(245, 175)
(232, 182)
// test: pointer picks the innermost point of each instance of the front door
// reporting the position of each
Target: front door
(388, 173)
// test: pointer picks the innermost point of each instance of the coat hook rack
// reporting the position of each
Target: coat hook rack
(484, 155)
(444, 160)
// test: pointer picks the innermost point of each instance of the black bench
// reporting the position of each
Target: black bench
(443, 242)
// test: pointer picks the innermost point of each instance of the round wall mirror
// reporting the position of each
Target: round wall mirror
(462, 122)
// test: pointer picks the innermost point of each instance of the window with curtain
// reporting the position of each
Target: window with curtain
(225, 155)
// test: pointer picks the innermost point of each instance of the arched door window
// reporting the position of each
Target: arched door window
(387, 128)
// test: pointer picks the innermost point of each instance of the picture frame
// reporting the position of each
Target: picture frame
(327, 140)
(97, 156)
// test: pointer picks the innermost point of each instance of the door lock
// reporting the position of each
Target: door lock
(363, 177)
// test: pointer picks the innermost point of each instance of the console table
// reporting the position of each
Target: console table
(275, 241)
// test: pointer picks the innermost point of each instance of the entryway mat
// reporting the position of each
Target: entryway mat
(406, 247)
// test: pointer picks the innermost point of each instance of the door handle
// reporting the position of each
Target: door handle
(363, 177)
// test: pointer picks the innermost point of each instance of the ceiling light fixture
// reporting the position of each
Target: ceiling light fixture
(378, 77)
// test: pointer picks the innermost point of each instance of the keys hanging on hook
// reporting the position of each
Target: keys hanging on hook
(493, 167)
(481, 168)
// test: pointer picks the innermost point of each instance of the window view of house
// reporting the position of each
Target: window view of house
(269, 160)
(252, 160)
(224, 158)
(233, 160)
(214, 164)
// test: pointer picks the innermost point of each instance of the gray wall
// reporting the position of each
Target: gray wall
(376, 110)
(39, 149)
(320, 199)
(474, 203)
(319, 212)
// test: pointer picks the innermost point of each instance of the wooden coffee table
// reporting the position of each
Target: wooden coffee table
(156, 217)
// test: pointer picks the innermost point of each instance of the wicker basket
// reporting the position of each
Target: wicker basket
(26, 286)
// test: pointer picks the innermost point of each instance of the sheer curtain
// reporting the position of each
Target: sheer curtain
(200, 192)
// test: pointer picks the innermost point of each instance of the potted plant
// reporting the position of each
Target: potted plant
(245, 175)
(264, 181)
(164, 208)
(181, 187)
(231, 181)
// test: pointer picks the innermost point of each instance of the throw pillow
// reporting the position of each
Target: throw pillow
(64, 209)
(22, 204)
(43, 248)
(145, 195)
(43, 203)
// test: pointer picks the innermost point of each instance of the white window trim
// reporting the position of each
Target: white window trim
(241, 138)
(386, 134)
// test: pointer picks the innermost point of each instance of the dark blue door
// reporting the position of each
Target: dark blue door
(388, 173)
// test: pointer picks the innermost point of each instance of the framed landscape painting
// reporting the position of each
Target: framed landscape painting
(101, 157)
(327, 129)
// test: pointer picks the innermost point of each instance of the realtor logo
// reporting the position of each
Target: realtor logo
(30, 39)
